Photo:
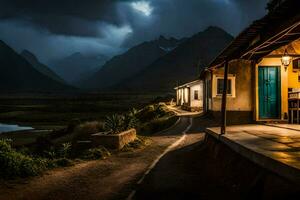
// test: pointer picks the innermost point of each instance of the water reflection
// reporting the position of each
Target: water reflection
(4, 128)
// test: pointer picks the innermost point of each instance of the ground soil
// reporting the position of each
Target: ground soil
(112, 178)
(199, 168)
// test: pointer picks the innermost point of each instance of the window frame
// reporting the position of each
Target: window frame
(196, 92)
(232, 79)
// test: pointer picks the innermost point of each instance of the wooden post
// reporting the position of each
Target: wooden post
(224, 99)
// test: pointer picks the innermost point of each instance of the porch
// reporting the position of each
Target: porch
(275, 147)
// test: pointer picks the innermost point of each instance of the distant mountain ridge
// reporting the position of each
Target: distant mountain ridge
(161, 64)
(33, 60)
(78, 66)
(18, 75)
(181, 65)
(136, 59)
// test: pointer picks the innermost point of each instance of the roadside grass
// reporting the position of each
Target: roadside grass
(66, 146)
(49, 112)
(140, 143)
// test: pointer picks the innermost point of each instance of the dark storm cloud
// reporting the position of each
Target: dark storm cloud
(110, 26)
(181, 18)
(68, 17)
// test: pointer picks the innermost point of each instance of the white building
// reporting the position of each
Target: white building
(190, 96)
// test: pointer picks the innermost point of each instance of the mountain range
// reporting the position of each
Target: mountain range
(152, 66)
(124, 66)
(33, 60)
(18, 75)
(77, 66)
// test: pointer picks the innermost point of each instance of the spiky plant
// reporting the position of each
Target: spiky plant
(114, 124)
(130, 121)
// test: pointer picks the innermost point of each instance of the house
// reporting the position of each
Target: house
(252, 79)
(190, 96)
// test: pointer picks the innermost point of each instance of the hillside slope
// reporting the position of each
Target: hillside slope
(77, 66)
(32, 59)
(18, 75)
(180, 65)
(130, 63)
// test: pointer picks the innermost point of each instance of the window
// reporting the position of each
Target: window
(220, 86)
(196, 95)
(296, 64)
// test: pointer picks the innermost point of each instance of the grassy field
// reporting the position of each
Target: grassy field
(53, 112)
(42, 110)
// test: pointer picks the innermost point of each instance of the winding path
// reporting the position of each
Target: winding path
(114, 178)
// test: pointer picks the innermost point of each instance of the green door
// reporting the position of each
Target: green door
(269, 92)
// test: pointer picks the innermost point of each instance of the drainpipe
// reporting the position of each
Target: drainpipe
(224, 99)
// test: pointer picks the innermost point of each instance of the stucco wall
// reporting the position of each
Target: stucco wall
(243, 100)
(199, 102)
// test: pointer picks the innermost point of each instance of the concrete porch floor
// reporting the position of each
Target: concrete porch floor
(275, 147)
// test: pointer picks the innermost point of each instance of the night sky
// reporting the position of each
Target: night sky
(57, 28)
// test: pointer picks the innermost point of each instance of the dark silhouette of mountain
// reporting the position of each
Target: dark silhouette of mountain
(121, 67)
(181, 65)
(32, 59)
(77, 66)
(18, 75)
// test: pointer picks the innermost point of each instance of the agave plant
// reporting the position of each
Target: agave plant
(114, 124)
(133, 112)
(130, 121)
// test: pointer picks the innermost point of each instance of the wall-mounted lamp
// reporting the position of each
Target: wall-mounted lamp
(286, 59)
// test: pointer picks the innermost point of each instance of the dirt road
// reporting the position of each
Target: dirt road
(113, 178)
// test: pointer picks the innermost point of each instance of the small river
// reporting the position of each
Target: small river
(4, 128)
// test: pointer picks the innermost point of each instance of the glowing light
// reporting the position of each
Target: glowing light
(143, 7)
(286, 59)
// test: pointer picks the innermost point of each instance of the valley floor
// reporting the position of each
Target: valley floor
(193, 169)
(113, 178)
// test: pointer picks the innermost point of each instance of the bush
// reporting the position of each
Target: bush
(96, 153)
(85, 130)
(5, 145)
(157, 125)
(138, 143)
(130, 121)
(72, 125)
(14, 164)
(147, 113)
(65, 150)
(43, 145)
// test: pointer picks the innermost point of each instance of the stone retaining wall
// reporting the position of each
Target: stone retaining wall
(114, 141)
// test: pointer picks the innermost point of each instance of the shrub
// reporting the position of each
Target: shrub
(5, 145)
(130, 121)
(138, 143)
(114, 124)
(50, 154)
(85, 130)
(160, 110)
(153, 112)
(133, 112)
(42, 146)
(65, 149)
(96, 153)
(72, 125)
(157, 125)
(147, 113)
(14, 164)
